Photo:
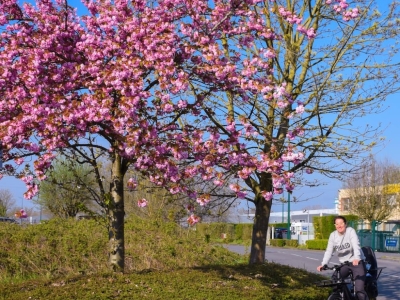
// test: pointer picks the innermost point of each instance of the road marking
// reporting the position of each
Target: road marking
(391, 275)
(296, 255)
(312, 258)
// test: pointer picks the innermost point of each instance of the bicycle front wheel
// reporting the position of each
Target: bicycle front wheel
(335, 296)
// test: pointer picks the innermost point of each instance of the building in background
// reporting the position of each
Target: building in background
(391, 223)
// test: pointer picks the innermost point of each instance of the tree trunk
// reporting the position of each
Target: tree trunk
(116, 213)
(260, 227)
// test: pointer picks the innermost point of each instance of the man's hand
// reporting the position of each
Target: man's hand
(355, 262)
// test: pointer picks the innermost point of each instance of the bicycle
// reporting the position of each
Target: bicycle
(343, 288)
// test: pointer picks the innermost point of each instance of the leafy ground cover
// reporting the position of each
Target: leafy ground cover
(67, 260)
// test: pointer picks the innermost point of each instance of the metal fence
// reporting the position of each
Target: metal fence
(382, 241)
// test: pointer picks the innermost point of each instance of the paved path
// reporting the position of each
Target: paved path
(388, 283)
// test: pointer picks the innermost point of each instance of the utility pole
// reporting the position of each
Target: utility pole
(289, 234)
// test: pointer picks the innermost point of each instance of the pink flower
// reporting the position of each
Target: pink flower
(132, 184)
(241, 194)
(142, 202)
(21, 214)
(193, 219)
(267, 195)
(190, 208)
(234, 187)
(309, 171)
(299, 109)
(218, 182)
(19, 160)
(203, 199)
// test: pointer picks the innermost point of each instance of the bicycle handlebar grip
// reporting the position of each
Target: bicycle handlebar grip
(325, 267)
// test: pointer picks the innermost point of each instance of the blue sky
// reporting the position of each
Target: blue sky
(324, 196)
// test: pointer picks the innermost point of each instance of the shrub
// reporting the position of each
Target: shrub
(292, 243)
(243, 232)
(317, 244)
(278, 242)
(64, 247)
(217, 231)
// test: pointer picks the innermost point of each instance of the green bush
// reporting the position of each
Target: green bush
(62, 247)
(217, 231)
(292, 243)
(243, 231)
(278, 225)
(317, 244)
(278, 242)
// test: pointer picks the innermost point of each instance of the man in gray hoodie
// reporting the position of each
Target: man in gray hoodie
(344, 241)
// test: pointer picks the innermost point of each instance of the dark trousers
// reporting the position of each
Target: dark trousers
(359, 272)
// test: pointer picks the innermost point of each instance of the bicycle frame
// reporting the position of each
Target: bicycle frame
(340, 285)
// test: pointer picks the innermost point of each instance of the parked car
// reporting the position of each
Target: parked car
(10, 220)
(280, 233)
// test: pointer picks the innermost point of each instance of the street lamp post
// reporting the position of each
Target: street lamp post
(289, 236)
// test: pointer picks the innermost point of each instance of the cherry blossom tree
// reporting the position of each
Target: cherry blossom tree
(108, 82)
(294, 79)
(231, 91)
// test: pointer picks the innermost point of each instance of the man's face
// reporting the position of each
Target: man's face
(340, 226)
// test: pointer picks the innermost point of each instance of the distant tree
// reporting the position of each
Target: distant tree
(176, 207)
(67, 189)
(371, 192)
(7, 203)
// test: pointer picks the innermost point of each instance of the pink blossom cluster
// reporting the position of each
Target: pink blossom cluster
(193, 219)
(132, 184)
(341, 7)
(310, 32)
(203, 199)
(289, 16)
(21, 214)
(292, 18)
(142, 202)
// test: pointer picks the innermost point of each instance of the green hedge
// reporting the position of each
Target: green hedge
(230, 232)
(278, 225)
(243, 231)
(278, 242)
(292, 243)
(323, 226)
(282, 243)
(317, 244)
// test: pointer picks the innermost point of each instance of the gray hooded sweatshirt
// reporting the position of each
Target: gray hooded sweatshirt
(347, 247)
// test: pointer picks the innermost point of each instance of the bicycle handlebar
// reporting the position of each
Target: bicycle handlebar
(336, 267)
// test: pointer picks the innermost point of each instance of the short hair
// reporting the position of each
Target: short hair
(341, 218)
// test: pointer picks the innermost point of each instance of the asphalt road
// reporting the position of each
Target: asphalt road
(388, 283)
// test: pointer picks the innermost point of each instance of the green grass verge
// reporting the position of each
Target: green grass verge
(268, 282)
(66, 259)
